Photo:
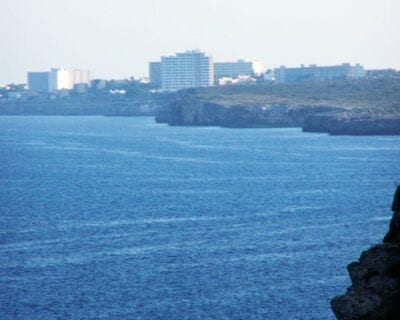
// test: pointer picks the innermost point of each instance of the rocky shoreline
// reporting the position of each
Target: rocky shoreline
(357, 107)
(375, 290)
(363, 107)
(311, 118)
(353, 125)
(195, 112)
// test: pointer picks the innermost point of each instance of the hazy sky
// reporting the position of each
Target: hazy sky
(117, 39)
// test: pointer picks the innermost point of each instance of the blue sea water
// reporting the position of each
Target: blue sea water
(123, 218)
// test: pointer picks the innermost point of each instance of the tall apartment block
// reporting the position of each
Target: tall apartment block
(184, 70)
(155, 74)
(79, 77)
(314, 72)
(59, 79)
(39, 81)
(236, 69)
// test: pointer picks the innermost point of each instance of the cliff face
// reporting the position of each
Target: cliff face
(195, 112)
(336, 125)
(272, 115)
(312, 118)
(375, 290)
(364, 107)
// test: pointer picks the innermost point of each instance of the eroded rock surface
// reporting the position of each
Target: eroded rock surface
(375, 290)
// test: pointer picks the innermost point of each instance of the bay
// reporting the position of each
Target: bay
(123, 218)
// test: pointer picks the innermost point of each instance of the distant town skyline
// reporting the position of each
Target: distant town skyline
(118, 39)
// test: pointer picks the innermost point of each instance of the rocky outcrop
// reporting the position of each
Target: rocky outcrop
(351, 125)
(375, 290)
(189, 110)
(271, 115)
(195, 112)
(192, 112)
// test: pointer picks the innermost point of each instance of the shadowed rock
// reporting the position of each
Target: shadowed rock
(375, 290)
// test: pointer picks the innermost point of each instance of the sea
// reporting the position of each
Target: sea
(124, 218)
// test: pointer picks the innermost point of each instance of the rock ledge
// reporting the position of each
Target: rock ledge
(375, 290)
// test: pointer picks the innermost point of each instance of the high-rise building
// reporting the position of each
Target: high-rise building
(314, 72)
(39, 81)
(155, 74)
(236, 69)
(59, 79)
(189, 69)
(79, 77)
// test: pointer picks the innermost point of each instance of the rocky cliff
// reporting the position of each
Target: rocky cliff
(312, 118)
(375, 290)
(353, 125)
(191, 112)
(364, 107)
(196, 112)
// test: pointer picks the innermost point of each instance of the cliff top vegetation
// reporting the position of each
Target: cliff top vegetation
(380, 96)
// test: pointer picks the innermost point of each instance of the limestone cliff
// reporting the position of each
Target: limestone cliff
(365, 107)
(375, 290)
(189, 111)
(353, 125)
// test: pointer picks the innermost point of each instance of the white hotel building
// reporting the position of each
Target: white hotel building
(236, 69)
(189, 69)
(57, 79)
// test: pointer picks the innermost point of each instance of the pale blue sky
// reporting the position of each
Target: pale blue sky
(117, 39)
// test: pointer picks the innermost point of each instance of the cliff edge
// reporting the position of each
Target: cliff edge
(375, 290)
(365, 107)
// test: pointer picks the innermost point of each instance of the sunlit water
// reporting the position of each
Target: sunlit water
(122, 218)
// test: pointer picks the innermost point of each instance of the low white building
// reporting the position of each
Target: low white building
(239, 80)
(318, 73)
(236, 69)
(57, 79)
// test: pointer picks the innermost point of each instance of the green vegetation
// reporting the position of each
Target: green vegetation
(371, 96)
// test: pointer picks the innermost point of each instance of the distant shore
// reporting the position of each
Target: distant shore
(362, 107)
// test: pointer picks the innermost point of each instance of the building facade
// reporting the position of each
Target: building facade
(60, 79)
(383, 74)
(39, 81)
(57, 79)
(186, 70)
(155, 75)
(317, 73)
(236, 69)
(79, 77)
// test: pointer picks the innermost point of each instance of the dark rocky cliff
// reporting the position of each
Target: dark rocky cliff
(191, 112)
(312, 118)
(337, 125)
(375, 290)
(358, 107)
(196, 112)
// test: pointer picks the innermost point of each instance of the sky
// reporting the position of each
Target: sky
(116, 39)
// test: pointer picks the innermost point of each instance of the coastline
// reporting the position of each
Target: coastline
(364, 107)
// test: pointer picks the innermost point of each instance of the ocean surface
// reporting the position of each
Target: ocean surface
(123, 218)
